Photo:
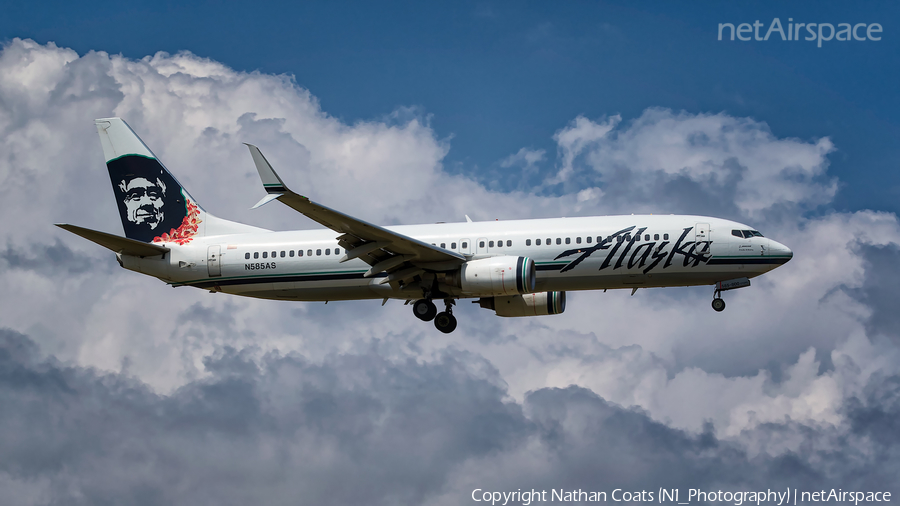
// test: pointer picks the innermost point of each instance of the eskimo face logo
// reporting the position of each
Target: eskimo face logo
(152, 205)
(144, 201)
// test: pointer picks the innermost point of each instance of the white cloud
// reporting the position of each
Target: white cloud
(582, 134)
(731, 161)
(525, 157)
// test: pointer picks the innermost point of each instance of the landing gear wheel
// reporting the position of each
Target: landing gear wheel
(424, 310)
(445, 322)
(718, 305)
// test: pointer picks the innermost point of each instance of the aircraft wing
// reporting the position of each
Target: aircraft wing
(401, 256)
(115, 243)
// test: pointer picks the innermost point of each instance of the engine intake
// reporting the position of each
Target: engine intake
(502, 275)
(531, 304)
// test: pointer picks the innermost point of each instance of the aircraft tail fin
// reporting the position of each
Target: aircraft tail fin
(153, 205)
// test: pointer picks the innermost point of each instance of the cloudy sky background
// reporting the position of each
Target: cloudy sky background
(116, 388)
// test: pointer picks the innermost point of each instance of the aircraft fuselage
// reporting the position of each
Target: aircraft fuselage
(638, 251)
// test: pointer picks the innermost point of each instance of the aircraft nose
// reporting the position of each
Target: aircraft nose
(776, 249)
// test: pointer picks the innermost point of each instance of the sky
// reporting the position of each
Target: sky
(115, 388)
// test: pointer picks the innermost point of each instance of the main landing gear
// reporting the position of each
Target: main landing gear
(444, 321)
(424, 310)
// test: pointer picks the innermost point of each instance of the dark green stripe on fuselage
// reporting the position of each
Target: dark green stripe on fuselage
(276, 278)
(748, 260)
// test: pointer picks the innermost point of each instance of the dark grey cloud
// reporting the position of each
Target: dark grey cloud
(880, 290)
(358, 428)
(48, 259)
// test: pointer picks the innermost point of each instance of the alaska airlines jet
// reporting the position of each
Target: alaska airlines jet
(515, 268)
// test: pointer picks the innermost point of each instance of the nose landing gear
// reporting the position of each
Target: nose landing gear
(718, 304)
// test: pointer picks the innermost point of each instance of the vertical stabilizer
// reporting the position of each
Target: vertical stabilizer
(153, 205)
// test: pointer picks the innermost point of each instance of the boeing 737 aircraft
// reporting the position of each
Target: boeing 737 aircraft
(515, 268)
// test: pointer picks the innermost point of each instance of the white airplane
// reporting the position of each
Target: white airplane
(515, 268)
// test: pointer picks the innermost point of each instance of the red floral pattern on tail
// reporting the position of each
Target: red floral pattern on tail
(185, 233)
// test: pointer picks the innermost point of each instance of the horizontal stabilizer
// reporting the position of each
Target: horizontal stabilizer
(115, 243)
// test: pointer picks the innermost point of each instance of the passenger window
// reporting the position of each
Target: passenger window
(452, 245)
(291, 254)
(299, 252)
(508, 243)
(588, 239)
(737, 233)
(655, 237)
(327, 251)
(265, 254)
(481, 244)
(273, 254)
(548, 241)
(537, 242)
(444, 245)
(337, 251)
(491, 244)
(246, 256)
(465, 245)
(620, 238)
(256, 254)
(527, 242)
(318, 252)
(568, 240)
(646, 237)
(665, 237)
(599, 239)
(558, 240)
(282, 254)
(578, 240)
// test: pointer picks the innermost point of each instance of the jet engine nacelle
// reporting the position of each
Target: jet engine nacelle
(529, 304)
(503, 275)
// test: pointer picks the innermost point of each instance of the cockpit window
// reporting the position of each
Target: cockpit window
(746, 234)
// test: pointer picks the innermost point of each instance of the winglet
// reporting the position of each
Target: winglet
(270, 180)
(468, 220)
(265, 200)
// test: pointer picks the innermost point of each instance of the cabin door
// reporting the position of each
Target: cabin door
(701, 237)
(213, 262)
